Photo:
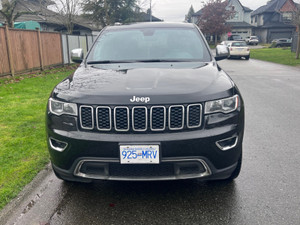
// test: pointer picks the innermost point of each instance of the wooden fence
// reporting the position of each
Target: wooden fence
(24, 50)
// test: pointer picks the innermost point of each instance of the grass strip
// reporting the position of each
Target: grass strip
(23, 147)
(277, 55)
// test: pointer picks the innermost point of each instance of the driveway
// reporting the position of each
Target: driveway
(266, 192)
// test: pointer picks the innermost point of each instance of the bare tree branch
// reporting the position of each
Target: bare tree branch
(68, 9)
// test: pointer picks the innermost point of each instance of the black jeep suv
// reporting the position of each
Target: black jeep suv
(148, 102)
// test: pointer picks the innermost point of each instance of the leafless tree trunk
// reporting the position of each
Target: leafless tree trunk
(298, 43)
(216, 39)
(68, 9)
(107, 20)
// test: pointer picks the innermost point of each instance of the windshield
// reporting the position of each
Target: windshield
(149, 44)
(238, 44)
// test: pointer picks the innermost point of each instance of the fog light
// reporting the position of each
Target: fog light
(57, 145)
(228, 143)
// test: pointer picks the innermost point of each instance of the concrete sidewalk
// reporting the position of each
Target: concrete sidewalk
(35, 200)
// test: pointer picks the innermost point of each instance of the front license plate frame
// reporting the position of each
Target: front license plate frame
(140, 154)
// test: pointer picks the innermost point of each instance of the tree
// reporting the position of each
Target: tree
(108, 12)
(9, 12)
(212, 20)
(188, 17)
(68, 9)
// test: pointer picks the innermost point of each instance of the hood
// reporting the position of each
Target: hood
(167, 85)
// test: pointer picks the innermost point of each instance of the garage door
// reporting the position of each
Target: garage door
(277, 35)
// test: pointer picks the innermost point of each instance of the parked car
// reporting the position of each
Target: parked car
(252, 40)
(226, 43)
(239, 49)
(235, 37)
(144, 105)
(282, 42)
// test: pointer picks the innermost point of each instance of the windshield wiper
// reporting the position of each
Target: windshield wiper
(164, 60)
(139, 61)
(109, 62)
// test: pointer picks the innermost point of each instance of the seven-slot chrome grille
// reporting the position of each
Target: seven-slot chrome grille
(141, 118)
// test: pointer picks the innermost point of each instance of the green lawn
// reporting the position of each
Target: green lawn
(276, 55)
(23, 147)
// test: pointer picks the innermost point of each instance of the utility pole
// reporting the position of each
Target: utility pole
(150, 10)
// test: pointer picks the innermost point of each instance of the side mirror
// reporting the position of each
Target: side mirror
(222, 52)
(77, 55)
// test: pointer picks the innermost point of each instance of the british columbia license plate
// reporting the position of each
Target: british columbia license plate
(139, 154)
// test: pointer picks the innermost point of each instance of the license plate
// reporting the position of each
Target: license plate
(139, 154)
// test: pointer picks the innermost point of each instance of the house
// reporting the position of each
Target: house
(239, 23)
(195, 17)
(48, 19)
(273, 20)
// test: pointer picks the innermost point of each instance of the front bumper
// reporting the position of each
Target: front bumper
(239, 53)
(169, 169)
(184, 155)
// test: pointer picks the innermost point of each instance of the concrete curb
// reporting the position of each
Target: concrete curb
(18, 203)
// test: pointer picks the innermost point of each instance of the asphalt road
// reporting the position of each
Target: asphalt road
(266, 192)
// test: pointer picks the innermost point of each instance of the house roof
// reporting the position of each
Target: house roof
(239, 24)
(42, 14)
(246, 9)
(198, 13)
(271, 6)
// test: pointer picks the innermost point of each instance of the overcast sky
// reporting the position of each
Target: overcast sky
(175, 10)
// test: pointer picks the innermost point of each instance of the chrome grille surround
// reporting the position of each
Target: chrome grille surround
(134, 117)
(106, 173)
(164, 118)
(83, 115)
(141, 118)
(116, 123)
(109, 118)
(170, 117)
(188, 116)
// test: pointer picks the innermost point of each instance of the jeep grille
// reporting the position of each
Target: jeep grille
(141, 118)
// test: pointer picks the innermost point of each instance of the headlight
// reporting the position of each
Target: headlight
(225, 105)
(59, 108)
